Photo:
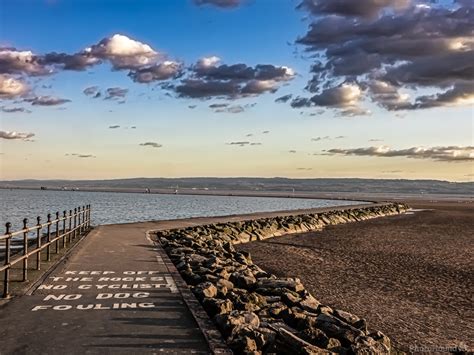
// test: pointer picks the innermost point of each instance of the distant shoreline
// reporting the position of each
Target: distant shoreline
(343, 196)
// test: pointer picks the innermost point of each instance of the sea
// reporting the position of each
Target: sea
(113, 207)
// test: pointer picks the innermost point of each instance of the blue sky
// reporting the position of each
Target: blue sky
(384, 121)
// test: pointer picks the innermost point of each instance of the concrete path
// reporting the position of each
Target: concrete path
(115, 294)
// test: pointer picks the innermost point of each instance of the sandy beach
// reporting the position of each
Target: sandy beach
(410, 276)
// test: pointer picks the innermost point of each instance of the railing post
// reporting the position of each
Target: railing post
(80, 219)
(89, 217)
(38, 243)
(25, 249)
(48, 249)
(6, 278)
(75, 222)
(57, 232)
(64, 229)
(70, 231)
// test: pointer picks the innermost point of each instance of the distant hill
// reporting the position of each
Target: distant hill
(259, 184)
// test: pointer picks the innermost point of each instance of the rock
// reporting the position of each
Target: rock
(333, 344)
(232, 322)
(315, 336)
(272, 299)
(269, 336)
(310, 303)
(325, 310)
(205, 289)
(225, 283)
(275, 309)
(215, 306)
(291, 284)
(243, 345)
(338, 329)
(245, 281)
(346, 316)
(294, 345)
(291, 298)
(381, 338)
(367, 345)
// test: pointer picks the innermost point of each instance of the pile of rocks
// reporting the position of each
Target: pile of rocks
(257, 312)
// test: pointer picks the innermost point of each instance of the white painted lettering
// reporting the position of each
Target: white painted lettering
(37, 308)
(52, 287)
(84, 307)
(63, 307)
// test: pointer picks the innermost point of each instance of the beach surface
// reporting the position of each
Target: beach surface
(410, 275)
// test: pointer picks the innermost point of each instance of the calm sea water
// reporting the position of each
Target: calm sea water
(108, 207)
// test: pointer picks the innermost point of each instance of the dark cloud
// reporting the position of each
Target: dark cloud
(114, 126)
(240, 143)
(92, 91)
(47, 101)
(364, 8)
(284, 98)
(115, 93)
(192, 106)
(255, 143)
(15, 135)
(214, 106)
(448, 154)
(317, 139)
(151, 144)
(230, 109)
(86, 156)
(265, 132)
(345, 97)
(392, 49)
(210, 79)
(292, 151)
(304, 169)
(13, 61)
(459, 93)
(299, 102)
(78, 61)
(14, 109)
(77, 155)
(202, 89)
(158, 72)
(225, 4)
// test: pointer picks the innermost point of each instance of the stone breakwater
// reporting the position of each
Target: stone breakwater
(257, 312)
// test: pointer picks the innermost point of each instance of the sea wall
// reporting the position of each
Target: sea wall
(257, 312)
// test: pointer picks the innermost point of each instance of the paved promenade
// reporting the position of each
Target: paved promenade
(115, 293)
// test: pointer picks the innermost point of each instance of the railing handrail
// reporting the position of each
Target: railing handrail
(37, 226)
(76, 227)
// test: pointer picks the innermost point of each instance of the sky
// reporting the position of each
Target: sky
(179, 88)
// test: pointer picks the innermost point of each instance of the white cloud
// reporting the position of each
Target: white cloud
(124, 52)
(11, 87)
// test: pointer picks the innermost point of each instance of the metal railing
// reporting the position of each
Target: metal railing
(20, 245)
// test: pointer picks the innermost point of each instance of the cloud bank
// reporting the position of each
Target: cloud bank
(388, 50)
(446, 154)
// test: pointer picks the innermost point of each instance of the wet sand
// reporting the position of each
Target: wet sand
(410, 276)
